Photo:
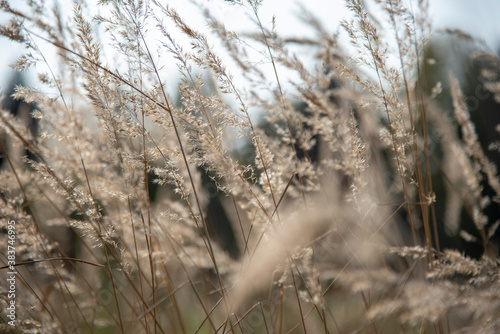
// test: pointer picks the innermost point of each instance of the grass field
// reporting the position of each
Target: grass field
(266, 195)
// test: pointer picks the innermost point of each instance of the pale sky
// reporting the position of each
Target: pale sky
(445, 13)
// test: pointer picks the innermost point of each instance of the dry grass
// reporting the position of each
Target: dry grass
(333, 207)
